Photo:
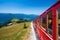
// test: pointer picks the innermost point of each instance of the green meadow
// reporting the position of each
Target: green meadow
(17, 31)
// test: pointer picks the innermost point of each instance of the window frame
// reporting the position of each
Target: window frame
(44, 23)
(48, 30)
(58, 12)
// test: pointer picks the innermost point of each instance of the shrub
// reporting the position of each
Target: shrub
(25, 26)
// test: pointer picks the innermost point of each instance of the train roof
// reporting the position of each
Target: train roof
(51, 7)
(54, 5)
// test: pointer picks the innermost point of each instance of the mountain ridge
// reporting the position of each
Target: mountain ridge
(7, 16)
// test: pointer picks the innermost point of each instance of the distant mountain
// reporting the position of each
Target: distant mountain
(4, 17)
(27, 17)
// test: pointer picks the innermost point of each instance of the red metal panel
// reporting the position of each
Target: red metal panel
(54, 23)
(44, 36)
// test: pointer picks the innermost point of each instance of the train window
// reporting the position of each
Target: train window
(44, 21)
(49, 28)
(38, 22)
(58, 22)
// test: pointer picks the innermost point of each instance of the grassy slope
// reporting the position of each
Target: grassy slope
(14, 32)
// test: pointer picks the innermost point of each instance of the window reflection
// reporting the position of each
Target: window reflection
(44, 21)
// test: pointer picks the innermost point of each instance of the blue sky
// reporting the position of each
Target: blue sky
(25, 6)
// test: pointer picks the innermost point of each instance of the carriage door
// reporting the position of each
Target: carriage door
(58, 11)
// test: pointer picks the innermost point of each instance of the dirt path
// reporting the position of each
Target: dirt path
(33, 35)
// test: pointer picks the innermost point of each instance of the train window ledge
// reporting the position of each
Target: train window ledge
(43, 28)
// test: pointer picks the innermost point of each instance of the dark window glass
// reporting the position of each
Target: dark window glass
(44, 21)
(58, 21)
(49, 29)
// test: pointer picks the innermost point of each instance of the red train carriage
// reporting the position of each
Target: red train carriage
(47, 25)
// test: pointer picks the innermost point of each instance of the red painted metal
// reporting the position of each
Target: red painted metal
(42, 31)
